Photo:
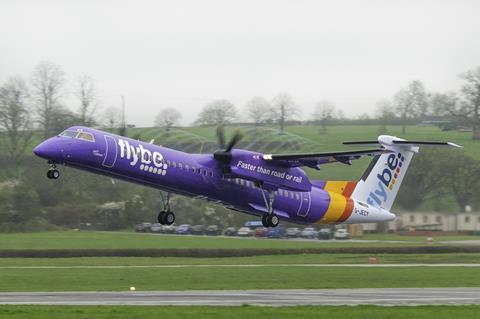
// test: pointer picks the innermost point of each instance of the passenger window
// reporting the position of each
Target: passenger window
(211, 174)
(180, 166)
(174, 164)
(291, 195)
(297, 196)
(193, 169)
(86, 137)
(168, 162)
(187, 167)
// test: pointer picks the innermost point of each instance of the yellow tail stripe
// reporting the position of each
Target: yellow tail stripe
(335, 186)
(335, 208)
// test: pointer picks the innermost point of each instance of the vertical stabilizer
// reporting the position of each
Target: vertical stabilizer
(382, 179)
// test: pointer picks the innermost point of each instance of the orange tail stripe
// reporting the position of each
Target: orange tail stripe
(349, 189)
(347, 211)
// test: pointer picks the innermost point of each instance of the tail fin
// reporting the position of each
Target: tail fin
(381, 181)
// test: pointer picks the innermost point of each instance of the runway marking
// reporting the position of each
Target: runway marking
(280, 297)
(241, 266)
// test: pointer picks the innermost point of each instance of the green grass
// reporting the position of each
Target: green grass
(256, 260)
(129, 240)
(174, 312)
(220, 278)
(422, 239)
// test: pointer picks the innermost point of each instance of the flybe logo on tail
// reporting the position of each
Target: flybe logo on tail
(386, 179)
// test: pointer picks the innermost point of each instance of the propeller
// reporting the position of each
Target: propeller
(225, 153)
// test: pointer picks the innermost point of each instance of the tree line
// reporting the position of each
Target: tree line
(410, 105)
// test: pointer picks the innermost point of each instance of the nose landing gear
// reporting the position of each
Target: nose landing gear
(52, 172)
(166, 217)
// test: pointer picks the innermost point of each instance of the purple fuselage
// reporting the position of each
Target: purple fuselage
(194, 175)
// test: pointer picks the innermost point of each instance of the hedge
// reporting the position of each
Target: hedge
(210, 253)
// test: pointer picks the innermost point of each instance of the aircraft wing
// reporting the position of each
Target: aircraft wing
(314, 160)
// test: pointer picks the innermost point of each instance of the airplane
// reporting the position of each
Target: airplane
(273, 187)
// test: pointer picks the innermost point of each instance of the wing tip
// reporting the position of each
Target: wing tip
(454, 145)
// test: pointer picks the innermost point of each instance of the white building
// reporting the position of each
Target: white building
(463, 222)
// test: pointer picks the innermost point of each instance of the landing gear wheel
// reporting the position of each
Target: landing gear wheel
(273, 220)
(264, 221)
(160, 217)
(168, 218)
(53, 174)
(270, 220)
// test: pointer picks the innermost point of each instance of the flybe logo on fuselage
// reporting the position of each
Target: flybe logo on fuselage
(386, 179)
(152, 162)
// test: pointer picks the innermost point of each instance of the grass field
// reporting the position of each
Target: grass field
(128, 240)
(147, 312)
(255, 260)
(234, 277)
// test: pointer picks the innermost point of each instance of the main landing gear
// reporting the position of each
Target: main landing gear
(52, 172)
(166, 217)
(270, 219)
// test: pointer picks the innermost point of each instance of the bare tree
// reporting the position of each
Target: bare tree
(468, 108)
(167, 118)
(284, 109)
(324, 112)
(85, 92)
(258, 110)
(217, 112)
(385, 112)
(48, 80)
(15, 117)
(112, 117)
(411, 102)
(441, 103)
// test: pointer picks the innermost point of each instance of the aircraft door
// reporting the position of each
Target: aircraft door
(110, 151)
(304, 206)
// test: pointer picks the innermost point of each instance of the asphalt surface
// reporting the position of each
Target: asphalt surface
(467, 265)
(384, 297)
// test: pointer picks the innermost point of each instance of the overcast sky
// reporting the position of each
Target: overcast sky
(186, 53)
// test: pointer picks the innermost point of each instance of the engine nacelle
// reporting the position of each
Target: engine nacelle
(251, 166)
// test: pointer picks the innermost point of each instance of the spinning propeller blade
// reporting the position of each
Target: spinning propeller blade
(225, 153)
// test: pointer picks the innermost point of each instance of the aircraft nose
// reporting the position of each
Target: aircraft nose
(40, 150)
(46, 150)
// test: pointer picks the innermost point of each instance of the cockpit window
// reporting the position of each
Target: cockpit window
(78, 134)
(68, 133)
(86, 136)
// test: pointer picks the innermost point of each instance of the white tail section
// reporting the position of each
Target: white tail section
(381, 181)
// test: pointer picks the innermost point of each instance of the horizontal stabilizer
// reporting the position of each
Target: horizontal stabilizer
(424, 143)
(386, 140)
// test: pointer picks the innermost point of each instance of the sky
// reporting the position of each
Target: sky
(183, 54)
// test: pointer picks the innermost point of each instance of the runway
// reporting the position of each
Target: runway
(383, 297)
(469, 265)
